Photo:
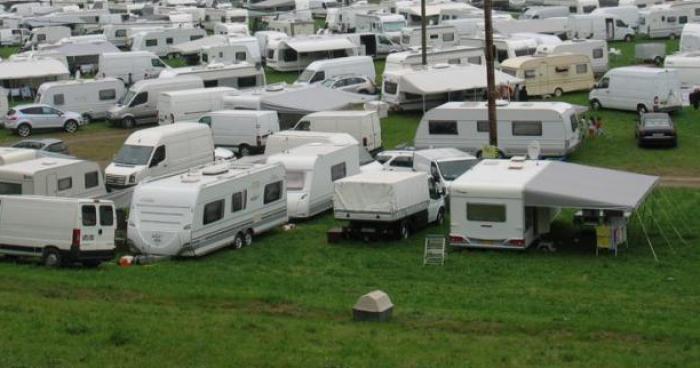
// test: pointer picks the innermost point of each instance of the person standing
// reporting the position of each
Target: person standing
(522, 95)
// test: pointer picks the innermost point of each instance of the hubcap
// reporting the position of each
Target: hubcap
(248, 238)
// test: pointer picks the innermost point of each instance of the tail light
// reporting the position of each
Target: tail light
(258, 140)
(458, 239)
(76, 238)
(656, 100)
(516, 242)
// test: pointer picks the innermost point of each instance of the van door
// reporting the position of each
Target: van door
(105, 230)
(609, 29)
(88, 226)
(51, 185)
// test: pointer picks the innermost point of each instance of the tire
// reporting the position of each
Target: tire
(128, 123)
(658, 60)
(238, 241)
(672, 36)
(404, 230)
(87, 119)
(440, 219)
(243, 150)
(51, 258)
(248, 238)
(71, 126)
(24, 130)
(628, 38)
(641, 109)
(363, 92)
(595, 105)
(558, 92)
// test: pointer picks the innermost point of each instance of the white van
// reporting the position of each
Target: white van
(599, 27)
(130, 66)
(245, 130)
(310, 171)
(58, 230)
(140, 104)
(240, 76)
(543, 12)
(464, 125)
(13, 36)
(52, 176)
(554, 74)
(323, 69)
(596, 50)
(628, 14)
(361, 125)
(207, 208)
(690, 38)
(90, 97)
(687, 64)
(450, 55)
(160, 41)
(159, 151)
(638, 88)
(190, 104)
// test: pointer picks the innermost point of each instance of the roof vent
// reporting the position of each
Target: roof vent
(48, 163)
(500, 102)
(517, 162)
(215, 170)
(190, 178)
(274, 87)
(441, 66)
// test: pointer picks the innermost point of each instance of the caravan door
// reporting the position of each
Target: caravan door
(609, 29)
(51, 185)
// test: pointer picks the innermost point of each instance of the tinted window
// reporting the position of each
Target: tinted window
(158, 156)
(108, 94)
(683, 19)
(57, 147)
(120, 33)
(273, 192)
(33, 111)
(241, 56)
(169, 41)
(289, 55)
(192, 38)
(486, 212)
(213, 212)
(205, 120)
(442, 127)
(482, 126)
(671, 19)
(527, 128)
(211, 83)
(581, 68)
(238, 201)
(59, 99)
(106, 216)
(10, 188)
(597, 53)
(390, 87)
(338, 171)
(319, 76)
(151, 43)
(530, 74)
(91, 179)
(244, 82)
(89, 215)
(65, 183)
(140, 99)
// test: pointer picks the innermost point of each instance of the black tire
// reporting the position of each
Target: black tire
(404, 230)
(558, 92)
(440, 219)
(595, 105)
(51, 258)
(87, 119)
(641, 109)
(248, 238)
(243, 150)
(672, 36)
(628, 38)
(128, 123)
(658, 60)
(24, 130)
(71, 126)
(238, 241)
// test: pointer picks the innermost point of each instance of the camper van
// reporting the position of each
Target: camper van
(52, 176)
(13, 36)
(361, 125)
(140, 104)
(440, 36)
(668, 20)
(449, 55)
(160, 41)
(596, 50)
(245, 130)
(599, 27)
(212, 16)
(239, 76)
(90, 97)
(59, 231)
(207, 208)
(295, 54)
(389, 25)
(47, 35)
(159, 151)
(130, 66)
(638, 88)
(543, 12)
(628, 14)
(687, 64)
(690, 38)
(464, 125)
(190, 104)
(323, 69)
(554, 74)
(310, 171)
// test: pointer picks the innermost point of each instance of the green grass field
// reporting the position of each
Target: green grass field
(285, 301)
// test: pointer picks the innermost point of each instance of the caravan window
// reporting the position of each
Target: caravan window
(157, 63)
(151, 43)
(295, 180)
(338, 171)
(193, 38)
(434, 36)
(241, 56)
(289, 55)
(211, 83)
(273, 192)
(581, 68)
(530, 74)
(561, 69)
(120, 33)
(108, 94)
(482, 126)
(448, 37)
(438, 127)
(597, 53)
(589, 9)
(169, 41)
(671, 19)
(245, 82)
(41, 37)
(683, 19)
(486, 212)
(697, 11)
(238, 201)
(527, 128)
(59, 99)
(89, 215)
(65, 183)
(106, 216)
(10, 188)
(213, 211)
(390, 87)
(91, 179)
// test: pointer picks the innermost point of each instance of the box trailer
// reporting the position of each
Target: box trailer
(52, 176)
(92, 98)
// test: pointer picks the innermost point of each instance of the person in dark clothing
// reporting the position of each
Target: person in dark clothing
(694, 98)
(522, 94)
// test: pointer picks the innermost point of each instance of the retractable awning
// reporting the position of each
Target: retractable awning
(452, 78)
(36, 68)
(194, 47)
(320, 44)
(312, 99)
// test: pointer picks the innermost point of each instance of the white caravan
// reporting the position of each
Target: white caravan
(119, 34)
(13, 36)
(292, 27)
(596, 50)
(212, 16)
(140, 104)
(690, 38)
(638, 88)
(320, 70)
(575, 6)
(159, 151)
(557, 26)
(361, 125)
(450, 55)
(130, 66)
(599, 27)
(160, 42)
(47, 35)
(554, 74)
(687, 64)
(443, 164)
(464, 125)
(543, 12)
(52, 176)
(231, 29)
(389, 25)
(311, 170)
(190, 104)
(439, 36)
(59, 231)
(285, 140)
(239, 76)
(90, 97)
(414, 15)
(226, 54)
(668, 20)
(207, 208)
(245, 130)
(295, 54)
(628, 14)
(506, 47)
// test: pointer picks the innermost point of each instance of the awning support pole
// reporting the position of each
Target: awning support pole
(646, 235)
(680, 216)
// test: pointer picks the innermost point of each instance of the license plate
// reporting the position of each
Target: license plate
(657, 135)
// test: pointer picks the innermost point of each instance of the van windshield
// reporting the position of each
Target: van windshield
(295, 180)
(451, 170)
(127, 97)
(306, 75)
(133, 155)
(393, 26)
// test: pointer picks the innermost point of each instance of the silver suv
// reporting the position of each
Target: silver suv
(23, 119)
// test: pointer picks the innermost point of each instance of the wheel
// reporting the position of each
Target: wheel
(558, 92)
(128, 123)
(71, 126)
(672, 36)
(440, 219)
(238, 241)
(51, 258)
(641, 109)
(24, 130)
(628, 38)
(87, 119)
(248, 238)
(243, 150)
(363, 92)
(595, 105)
(404, 230)
(658, 60)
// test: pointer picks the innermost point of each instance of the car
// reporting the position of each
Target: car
(48, 145)
(656, 129)
(351, 83)
(24, 119)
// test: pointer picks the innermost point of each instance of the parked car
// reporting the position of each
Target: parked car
(351, 83)
(656, 129)
(49, 145)
(24, 119)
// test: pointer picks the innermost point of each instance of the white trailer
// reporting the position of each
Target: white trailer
(119, 34)
(245, 130)
(449, 55)
(13, 36)
(599, 27)
(439, 36)
(190, 104)
(292, 27)
(44, 35)
(59, 231)
(130, 66)
(295, 54)
(596, 50)
(361, 125)
(212, 16)
(160, 42)
(207, 208)
(90, 97)
(687, 64)
(52, 176)
(240, 76)
(387, 203)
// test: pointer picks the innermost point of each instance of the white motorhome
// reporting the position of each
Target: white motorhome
(388, 24)
(451, 55)
(52, 176)
(190, 104)
(575, 6)
(628, 14)
(295, 54)
(245, 130)
(361, 125)
(119, 34)
(690, 38)
(443, 164)
(599, 27)
(140, 104)
(161, 41)
(439, 36)
(159, 151)
(323, 69)
(90, 97)
(638, 88)
(310, 171)
(207, 208)
(239, 76)
(130, 66)
(59, 231)
(212, 16)
(543, 12)
(292, 27)
(687, 64)
(47, 35)
(13, 36)
(668, 20)
(554, 74)
(464, 125)
(596, 50)
(506, 47)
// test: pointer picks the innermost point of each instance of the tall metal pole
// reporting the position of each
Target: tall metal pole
(490, 78)
(423, 31)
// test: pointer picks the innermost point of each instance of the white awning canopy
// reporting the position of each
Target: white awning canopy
(452, 78)
(320, 44)
(194, 47)
(36, 68)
